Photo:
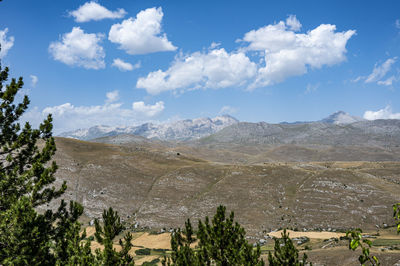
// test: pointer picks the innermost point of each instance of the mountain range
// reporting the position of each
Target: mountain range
(189, 129)
(179, 130)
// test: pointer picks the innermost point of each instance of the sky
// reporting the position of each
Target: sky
(126, 62)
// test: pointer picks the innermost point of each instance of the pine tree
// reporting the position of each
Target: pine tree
(182, 252)
(70, 247)
(26, 175)
(221, 242)
(285, 253)
(105, 235)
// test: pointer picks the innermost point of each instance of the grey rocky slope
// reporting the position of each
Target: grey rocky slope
(179, 130)
(383, 133)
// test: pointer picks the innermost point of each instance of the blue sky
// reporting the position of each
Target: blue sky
(127, 62)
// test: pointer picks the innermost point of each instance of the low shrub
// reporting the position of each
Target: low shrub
(143, 251)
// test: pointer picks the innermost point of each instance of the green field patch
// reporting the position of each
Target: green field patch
(385, 242)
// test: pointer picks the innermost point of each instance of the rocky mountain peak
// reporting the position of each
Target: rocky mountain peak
(341, 117)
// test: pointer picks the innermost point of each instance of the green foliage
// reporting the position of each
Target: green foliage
(151, 263)
(356, 240)
(221, 242)
(143, 251)
(105, 235)
(182, 253)
(285, 253)
(69, 248)
(396, 216)
(26, 173)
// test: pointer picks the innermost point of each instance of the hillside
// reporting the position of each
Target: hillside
(248, 143)
(164, 188)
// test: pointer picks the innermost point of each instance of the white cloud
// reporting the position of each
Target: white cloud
(34, 80)
(283, 54)
(357, 79)
(94, 11)
(213, 69)
(293, 23)
(125, 66)
(215, 45)
(290, 54)
(6, 43)
(385, 113)
(229, 110)
(380, 70)
(397, 23)
(78, 48)
(112, 96)
(141, 35)
(148, 110)
(387, 82)
(70, 117)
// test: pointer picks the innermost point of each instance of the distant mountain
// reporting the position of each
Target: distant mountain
(337, 118)
(180, 130)
(341, 117)
(383, 133)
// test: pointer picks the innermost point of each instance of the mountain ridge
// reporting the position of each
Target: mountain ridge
(372, 133)
(200, 128)
(178, 130)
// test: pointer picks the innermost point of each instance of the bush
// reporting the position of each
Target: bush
(151, 263)
(143, 251)
(160, 249)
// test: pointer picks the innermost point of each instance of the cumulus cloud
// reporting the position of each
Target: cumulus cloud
(213, 69)
(381, 70)
(70, 117)
(283, 53)
(385, 113)
(148, 110)
(141, 35)
(112, 96)
(291, 54)
(94, 11)
(125, 66)
(397, 23)
(77, 48)
(6, 43)
(34, 80)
